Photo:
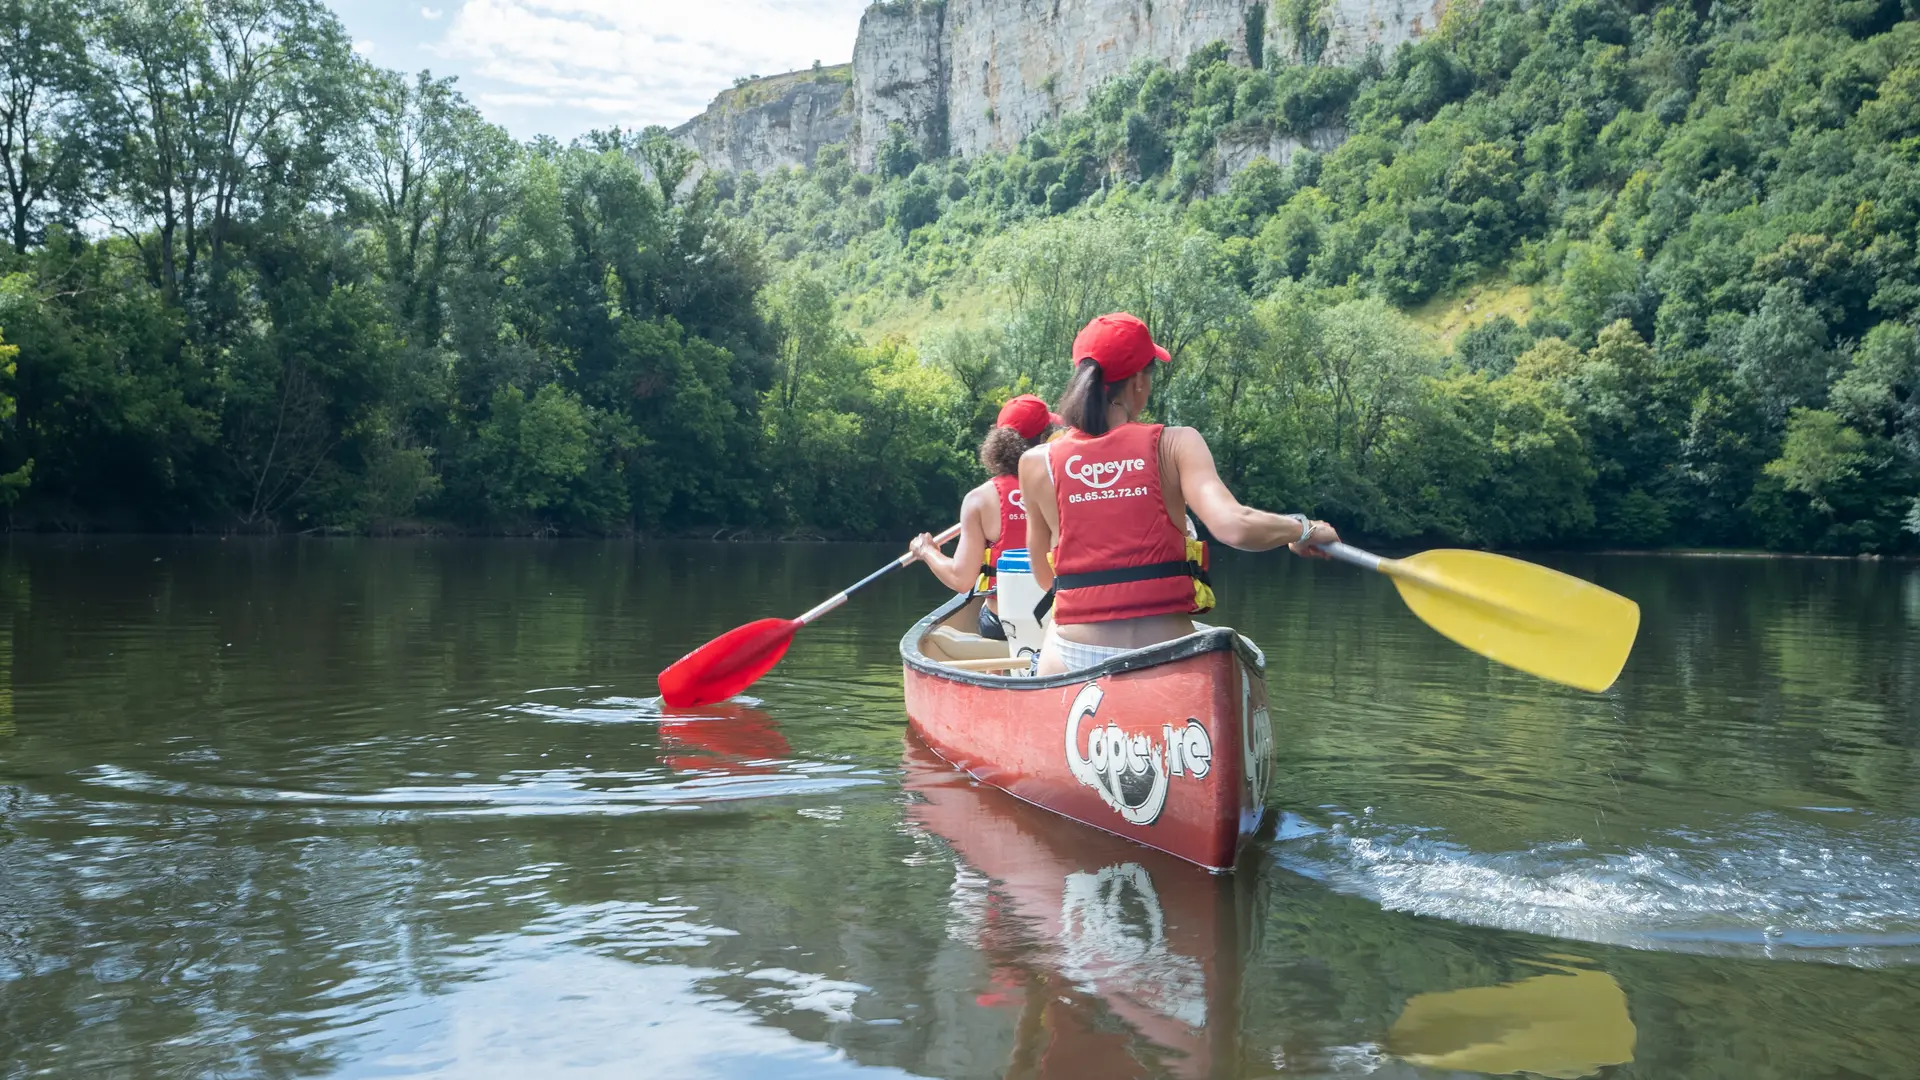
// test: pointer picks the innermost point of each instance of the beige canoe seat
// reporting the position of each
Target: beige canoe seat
(946, 643)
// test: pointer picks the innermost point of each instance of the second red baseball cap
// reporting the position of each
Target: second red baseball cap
(1027, 415)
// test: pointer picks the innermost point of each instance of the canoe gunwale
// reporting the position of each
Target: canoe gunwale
(1198, 643)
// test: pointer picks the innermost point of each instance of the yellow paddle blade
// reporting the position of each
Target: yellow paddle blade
(1541, 621)
(1563, 1026)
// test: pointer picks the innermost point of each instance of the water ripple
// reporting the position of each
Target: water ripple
(551, 791)
(1768, 885)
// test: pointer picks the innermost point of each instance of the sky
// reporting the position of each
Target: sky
(565, 67)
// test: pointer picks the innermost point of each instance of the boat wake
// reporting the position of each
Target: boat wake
(1768, 885)
(554, 791)
(724, 754)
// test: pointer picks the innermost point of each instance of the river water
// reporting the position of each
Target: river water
(343, 808)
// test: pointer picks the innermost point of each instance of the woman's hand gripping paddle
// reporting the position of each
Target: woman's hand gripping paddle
(736, 659)
(1541, 621)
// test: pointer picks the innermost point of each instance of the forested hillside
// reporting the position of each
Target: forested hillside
(1567, 273)
(256, 283)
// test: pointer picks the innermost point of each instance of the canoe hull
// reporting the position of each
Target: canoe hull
(1170, 747)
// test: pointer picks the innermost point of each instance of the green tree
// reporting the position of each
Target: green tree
(205, 101)
(45, 82)
(1822, 458)
(535, 451)
(13, 483)
(1505, 464)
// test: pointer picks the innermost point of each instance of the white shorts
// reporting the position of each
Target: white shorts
(1078, 655)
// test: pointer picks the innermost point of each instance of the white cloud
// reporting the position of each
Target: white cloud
(491, 100)
(650, 62)
(364, 47)
(430, 14)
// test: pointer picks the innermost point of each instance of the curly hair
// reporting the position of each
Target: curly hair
(1000, 451)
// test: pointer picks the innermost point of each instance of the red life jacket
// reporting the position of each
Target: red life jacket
(1119, 555)
(1013, 526)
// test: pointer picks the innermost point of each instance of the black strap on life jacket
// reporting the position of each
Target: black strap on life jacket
(1124, 575)
(1188, 568)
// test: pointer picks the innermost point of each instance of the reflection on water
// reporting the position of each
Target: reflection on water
(372, 809)
(1118, 960)
(1565, 1025)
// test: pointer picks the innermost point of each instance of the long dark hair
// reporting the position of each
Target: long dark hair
(1083, 404)
(1000, 451)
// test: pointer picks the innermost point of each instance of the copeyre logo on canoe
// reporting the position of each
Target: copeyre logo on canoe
(1132, 772)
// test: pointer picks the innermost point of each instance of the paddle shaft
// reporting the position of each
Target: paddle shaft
(843, 595)
(1347, 553)
(1395, 568)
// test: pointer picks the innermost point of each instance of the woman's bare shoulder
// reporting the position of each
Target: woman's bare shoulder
(1185, 443)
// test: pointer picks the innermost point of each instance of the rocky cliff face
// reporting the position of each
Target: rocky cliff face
(1236, 151)
(767, 123)
(1018, 63)
(969, 76)
(1348, 28)
(900, 77)
(978, 75)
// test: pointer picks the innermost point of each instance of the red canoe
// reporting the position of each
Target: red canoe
(1169, 746)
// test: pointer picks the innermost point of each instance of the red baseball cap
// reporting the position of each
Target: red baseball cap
(1120, 344)
(1027, 415)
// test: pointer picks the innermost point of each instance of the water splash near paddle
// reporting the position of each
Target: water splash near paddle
(1766, 885)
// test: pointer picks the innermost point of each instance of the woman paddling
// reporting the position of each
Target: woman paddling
(1109, 499)
(992, 519)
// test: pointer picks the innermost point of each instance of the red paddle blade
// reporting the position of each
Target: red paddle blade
(728, 664)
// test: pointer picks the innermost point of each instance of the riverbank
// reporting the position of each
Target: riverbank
(1741, 553)
(430, 530)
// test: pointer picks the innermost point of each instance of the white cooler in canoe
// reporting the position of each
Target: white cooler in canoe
(1019, 594)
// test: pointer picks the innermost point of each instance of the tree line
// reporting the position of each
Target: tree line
(258, 283)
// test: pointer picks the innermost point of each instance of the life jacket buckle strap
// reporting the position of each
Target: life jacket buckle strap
(1172, 568)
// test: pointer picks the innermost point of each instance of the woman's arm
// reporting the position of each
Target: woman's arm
(962, 569)
(1036, 493)
(1231, 522)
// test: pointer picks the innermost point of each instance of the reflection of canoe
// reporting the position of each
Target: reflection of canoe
(1085, 930)
(1169, 746)
(726, 738)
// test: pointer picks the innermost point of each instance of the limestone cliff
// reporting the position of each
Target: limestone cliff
(969, 76)
(766, 123)
(1344, 30)
(1234, 152)
(900, 77)
(1019, 63)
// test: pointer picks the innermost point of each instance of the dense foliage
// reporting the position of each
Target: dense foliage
(256, 282)
(1708, 213)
